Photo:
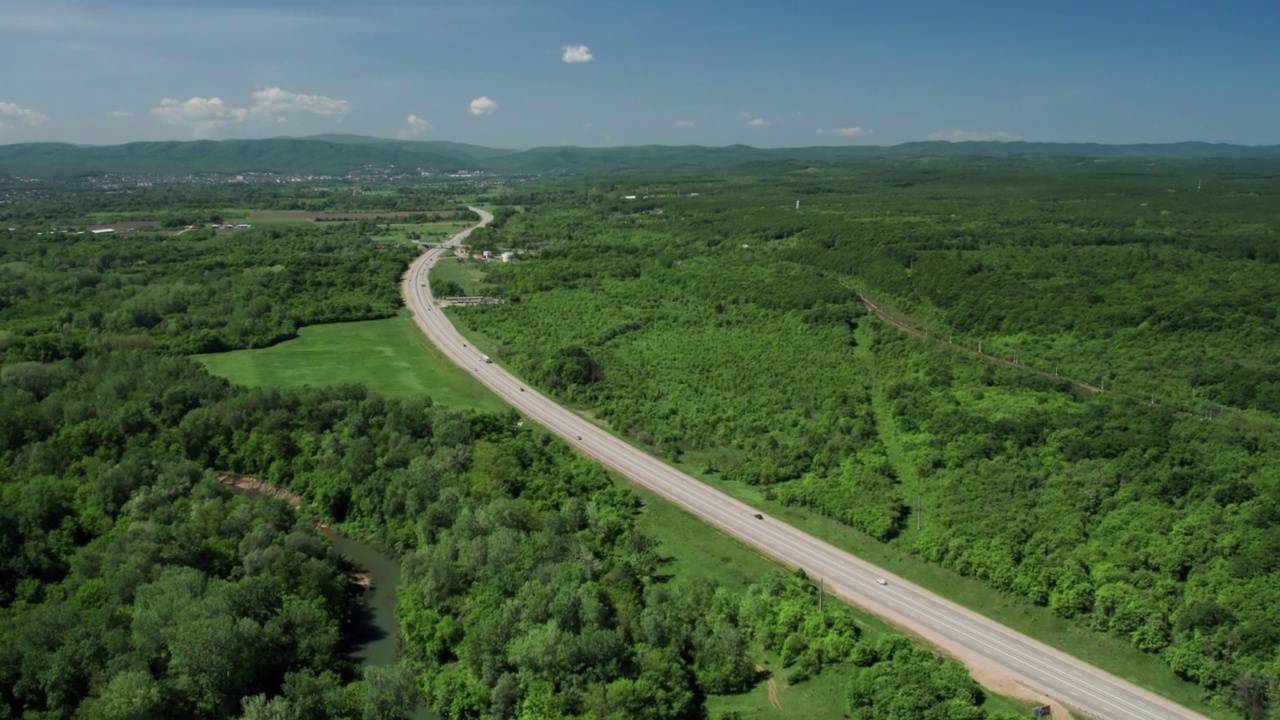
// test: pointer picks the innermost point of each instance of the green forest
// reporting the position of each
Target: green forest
(135, 585)
(1086, 421)
(71, 295)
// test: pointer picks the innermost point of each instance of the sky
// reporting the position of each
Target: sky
(520, 74)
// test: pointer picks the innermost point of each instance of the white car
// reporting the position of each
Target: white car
(882, 581)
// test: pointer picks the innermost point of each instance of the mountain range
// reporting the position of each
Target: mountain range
(339, 154)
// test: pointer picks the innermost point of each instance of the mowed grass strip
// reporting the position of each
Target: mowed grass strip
(389, 356)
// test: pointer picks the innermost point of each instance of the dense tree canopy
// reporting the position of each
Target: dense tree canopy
(723, 323)
(71, 295)
(133, 585)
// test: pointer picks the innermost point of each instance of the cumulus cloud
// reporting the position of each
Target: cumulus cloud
(851, 131)
(576, 54)
(26, 116)
(483, 105)
(119, 114)
(969, 135)
(416, 127)
(682, 123)
(206, 116)
(275, 102)
(758, 122)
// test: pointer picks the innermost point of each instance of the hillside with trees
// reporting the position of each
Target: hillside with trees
(337, 155)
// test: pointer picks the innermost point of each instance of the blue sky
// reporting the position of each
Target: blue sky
(768, 74)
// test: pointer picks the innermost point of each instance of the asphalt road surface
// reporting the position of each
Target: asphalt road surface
(957, 630)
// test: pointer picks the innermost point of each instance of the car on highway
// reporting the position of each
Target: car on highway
(882, 581)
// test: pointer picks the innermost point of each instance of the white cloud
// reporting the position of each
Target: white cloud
(204, 116)
(119, 114)
(483, 105)
(273, 101)
(758, 122)
(576, 54)
(416, 127)
(851, 131)
(968, 135)
(682, 123)
(25, 116)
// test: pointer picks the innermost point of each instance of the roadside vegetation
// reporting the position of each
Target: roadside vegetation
(715, 320)
(134, 585)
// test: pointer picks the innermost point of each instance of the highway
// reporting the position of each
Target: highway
(965, 634)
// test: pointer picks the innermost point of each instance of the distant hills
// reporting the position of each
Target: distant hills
(339, 154)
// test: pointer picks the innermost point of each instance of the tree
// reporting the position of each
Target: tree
(389, 693)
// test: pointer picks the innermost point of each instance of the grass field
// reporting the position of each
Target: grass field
(426, 232)
(467, 273)
(388, 356)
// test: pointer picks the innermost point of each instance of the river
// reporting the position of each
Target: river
(373, 639)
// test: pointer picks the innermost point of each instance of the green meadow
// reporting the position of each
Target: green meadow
(388, 356)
